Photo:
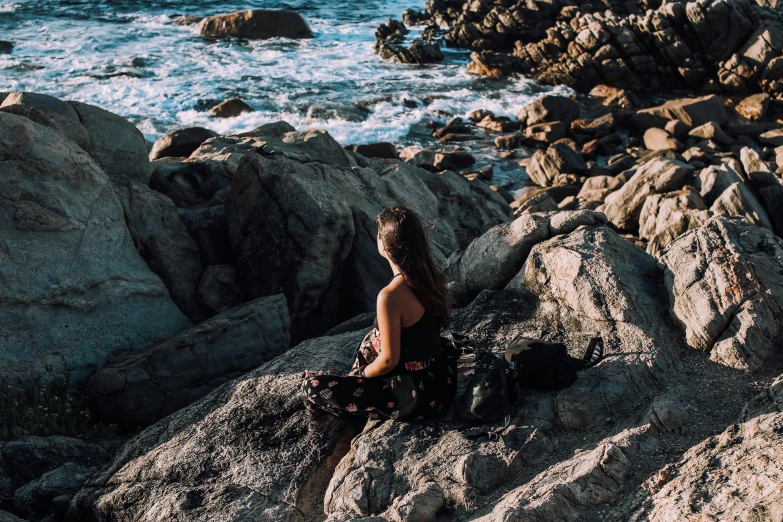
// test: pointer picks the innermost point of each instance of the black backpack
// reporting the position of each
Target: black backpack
(486, 398)
(539, 365)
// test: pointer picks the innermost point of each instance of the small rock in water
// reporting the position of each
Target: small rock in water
(185, 19)
(6, 46)
(230, 108)
(376, 150)
(257, 24)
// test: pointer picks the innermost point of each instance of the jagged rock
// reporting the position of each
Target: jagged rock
(426, 159)
(5, 516)
(491, 260)
(26, 459)
(537, 202)
(189, 183)
(494, 123)
(139, 389)
(768, 401)
(657, 176)
(35, 500)
(738, 200)
(241, 435)
(614, 97)
(665, 217)
(735, 474)
(220, 289)
(753, 107)
(180, 143)
(116, 145)
(725, 284)
(546, 132)
(307, 145)
(162, 239)
(690, 111)
(549, 108)
(207, 226)
(678, 129)
(659, 139)
(546, 166)
(255, 24)
(326, 263)
(773, 138)
(418, 52)
(767, 185)
(89, 287)
(711, 131)
(596, 126)
(714, 180)
(230, 108)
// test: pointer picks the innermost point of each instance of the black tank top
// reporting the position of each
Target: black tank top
(419, 341)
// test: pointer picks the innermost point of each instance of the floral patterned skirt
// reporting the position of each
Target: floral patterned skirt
(401, 394)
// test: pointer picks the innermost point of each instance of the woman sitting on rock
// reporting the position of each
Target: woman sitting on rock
(400, 370)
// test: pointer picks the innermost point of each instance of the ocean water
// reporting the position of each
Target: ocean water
(126, 56)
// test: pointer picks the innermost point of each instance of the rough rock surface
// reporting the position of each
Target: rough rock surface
(255, 24)
(180, 143)
(665, 217)
(49, 495)
(139, 389)
(90, 287)
(264, 456)
(162, 239)
(736, 474)
(230, 108)
(657, 176)
(725, 284)
(494, 258)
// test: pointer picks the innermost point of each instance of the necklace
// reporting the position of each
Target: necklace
(395, 275)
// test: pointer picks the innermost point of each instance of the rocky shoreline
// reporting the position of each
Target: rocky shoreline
(184, 286)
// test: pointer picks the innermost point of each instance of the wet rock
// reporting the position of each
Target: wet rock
(180, 143)
(26, 459)
(549, 108)
(753, 107)
(492, 260)
(426, 159)
(185, 19)
(259, 423)
(547, 166)
(220, 288)
(420, 51)
(657, 176)
(336, 111)
(90, 287)
(773, 138)
(690, 111)
(498, 124)
(479, 114)
(6, 46)
(659, 139)
(162, 239)
(255, 24)
(142, 388)
(724, 281)
(230, 108)
(737, 472)
(36, 499)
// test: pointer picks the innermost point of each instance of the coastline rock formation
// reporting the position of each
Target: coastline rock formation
(736, 45)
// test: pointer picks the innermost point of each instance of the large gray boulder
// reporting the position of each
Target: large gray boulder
(247, 451)
(68, 262)
(494, 258)
(139, 389)
(725, 285)
(162, 239)
(181, 143)
(65, 126)
(665, 217)
(43, 102)
(549, 108)
(255, 24)
(657, 176)
(691, 111)
(116, 145)
(546, 167)
(738, 200)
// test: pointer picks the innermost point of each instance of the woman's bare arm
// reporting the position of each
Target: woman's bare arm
(389, 324)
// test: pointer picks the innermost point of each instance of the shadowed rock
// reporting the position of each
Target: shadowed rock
(255, 24)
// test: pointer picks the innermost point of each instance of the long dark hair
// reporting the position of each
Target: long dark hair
(405, 241)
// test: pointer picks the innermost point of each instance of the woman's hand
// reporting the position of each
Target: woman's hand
(389, 324)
